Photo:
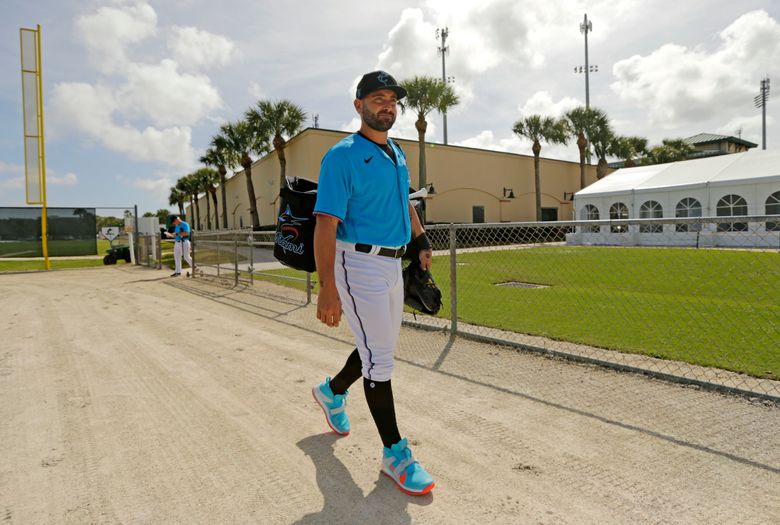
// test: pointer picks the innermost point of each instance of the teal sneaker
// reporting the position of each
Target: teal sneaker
(333, 406)
(399, 465)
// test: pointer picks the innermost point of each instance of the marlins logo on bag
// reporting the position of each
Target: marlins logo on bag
(289, 232)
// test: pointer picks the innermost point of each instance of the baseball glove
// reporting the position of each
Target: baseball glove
(420, 290)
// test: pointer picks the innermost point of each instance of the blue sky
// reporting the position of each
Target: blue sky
(134, 89)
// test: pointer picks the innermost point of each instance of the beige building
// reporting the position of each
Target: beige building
(471, 185)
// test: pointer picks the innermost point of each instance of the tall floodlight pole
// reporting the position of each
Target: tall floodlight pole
(586, 27)
(443, 50)
(760, 102)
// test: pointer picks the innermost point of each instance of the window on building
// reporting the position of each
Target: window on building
(732, 206)
(618, 211)
(688, 207)
(773, 208)
(651, 210)
(549, 214)
(590, 213)
(478, 214)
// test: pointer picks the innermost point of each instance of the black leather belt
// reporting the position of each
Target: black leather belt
(385, 252)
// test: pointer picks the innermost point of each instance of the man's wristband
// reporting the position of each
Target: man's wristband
(423, 243)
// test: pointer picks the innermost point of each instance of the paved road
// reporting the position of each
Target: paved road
(130, 397)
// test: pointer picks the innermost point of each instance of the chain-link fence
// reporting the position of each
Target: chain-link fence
(691, 300)
(150, 252)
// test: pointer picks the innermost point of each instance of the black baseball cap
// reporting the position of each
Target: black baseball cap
(375, 81)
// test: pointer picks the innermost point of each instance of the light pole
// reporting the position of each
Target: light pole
(586, 27)
(760, 102)
(443, 50)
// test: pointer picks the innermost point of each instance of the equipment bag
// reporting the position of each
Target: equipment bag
(294, 239)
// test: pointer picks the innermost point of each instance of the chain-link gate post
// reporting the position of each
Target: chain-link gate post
(251, 239)
(235, 260)
(453, 282)
(308, 288)
(219, 257)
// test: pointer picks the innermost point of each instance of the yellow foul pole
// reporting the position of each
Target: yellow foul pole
(42, 156)
(32, 108)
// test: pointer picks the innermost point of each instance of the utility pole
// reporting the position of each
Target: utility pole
(760, 102)
(443, 50)
(586, 27)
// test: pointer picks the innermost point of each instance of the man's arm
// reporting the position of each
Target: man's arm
(426, 253)
(328, 302)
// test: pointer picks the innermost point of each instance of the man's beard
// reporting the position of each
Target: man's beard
(373, 121)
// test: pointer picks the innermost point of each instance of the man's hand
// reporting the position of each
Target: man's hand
(329, 305)
(426, 259)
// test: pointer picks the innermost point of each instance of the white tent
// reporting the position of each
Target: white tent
(727, 185)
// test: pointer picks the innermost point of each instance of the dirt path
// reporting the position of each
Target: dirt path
(129, 397)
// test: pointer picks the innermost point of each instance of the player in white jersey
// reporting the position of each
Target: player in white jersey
(364, 221)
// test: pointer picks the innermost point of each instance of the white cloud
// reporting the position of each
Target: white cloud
(95, 119)
(196, 48)
(160, 93)
(680, 85)
(541, 103)
(108, 31)
(257, 92)
(14, 183)
(69, 179)
(158, 186)
(10, 168)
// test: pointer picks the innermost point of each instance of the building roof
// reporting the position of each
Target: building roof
(746, 167)
(710, 138)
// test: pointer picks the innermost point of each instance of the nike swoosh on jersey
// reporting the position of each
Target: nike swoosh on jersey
(368, 159)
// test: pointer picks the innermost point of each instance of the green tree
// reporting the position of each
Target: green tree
(540, 129)
(241, 141)
(190, 187)
(148, 214)
(628, 149)
(215, 157)
(277, 120)
(207, 178)
(579, 122)
(423, 95)
(162, 215)
(176, 198)
(670, 150)
(601, 137)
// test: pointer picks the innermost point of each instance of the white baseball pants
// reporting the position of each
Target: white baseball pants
(371, 290)
(181, 248)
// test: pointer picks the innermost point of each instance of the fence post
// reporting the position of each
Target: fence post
(251, 239)
(453, 282)
(235, 259)
(219, 257)
(308, 288)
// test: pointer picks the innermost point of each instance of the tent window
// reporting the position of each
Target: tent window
(773, 208)
(590, 213)
(732, 206)
(651, 210)
(688, 207)
(618, 211)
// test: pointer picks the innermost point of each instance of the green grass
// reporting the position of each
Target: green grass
(716, 308)
(56, 264)
(56, 248)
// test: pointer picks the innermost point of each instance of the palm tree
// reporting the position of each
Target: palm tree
(176, 198)
(579, 122)
(215, 157)
(423, 95)
(207, 178)
(601, 137)
(277, 119)
(537, 129)
(190, 187)
(670, 150)
(241, 140)
(628, 149)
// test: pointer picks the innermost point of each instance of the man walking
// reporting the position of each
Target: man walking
(364, 221)
(181, 244)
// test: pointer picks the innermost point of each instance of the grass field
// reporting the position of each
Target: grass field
(56, 264)
(708, 307)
